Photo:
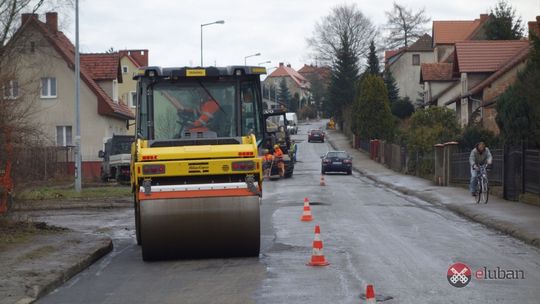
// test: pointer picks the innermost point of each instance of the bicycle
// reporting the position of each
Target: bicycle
(482, 189)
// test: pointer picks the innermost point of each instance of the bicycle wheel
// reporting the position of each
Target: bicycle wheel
(478, 190)
(485, 191)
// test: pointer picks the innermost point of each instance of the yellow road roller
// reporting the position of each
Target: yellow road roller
(196, 172)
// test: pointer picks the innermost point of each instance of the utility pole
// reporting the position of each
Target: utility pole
(78, 158)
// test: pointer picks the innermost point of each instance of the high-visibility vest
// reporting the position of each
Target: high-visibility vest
(208, 109)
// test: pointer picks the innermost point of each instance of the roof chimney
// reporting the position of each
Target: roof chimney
(26, 16)
(534, 26)
(281, 64)
(289, 65)
(484, 17)
(51, 19)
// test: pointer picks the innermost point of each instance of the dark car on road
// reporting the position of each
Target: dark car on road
(336, 161)
(315, 135)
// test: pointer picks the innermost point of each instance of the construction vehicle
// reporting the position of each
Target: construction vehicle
(277, 132)
(331, 124)
(6, 182)
(116, 158)
(196, 172)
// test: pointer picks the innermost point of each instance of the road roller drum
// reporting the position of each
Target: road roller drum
(200, 227)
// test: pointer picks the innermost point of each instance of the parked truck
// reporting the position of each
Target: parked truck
(117, 158)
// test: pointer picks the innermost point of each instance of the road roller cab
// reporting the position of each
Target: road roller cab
(196, 169)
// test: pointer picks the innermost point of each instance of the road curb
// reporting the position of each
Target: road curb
(38, 291)
(462, 210)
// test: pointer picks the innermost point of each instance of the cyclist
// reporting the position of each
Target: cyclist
(480, 155)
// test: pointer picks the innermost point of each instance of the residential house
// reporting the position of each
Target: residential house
(405, 63)
(130, 62)
(310, 71)
(319, 80)
(46, 59)
(476, 61)
(447, 32)
(437, 78)
(488, 91)
(296, 83)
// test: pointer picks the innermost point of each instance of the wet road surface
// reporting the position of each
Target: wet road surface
(401, 245)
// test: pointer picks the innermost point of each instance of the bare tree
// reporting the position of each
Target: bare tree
(344, 21)
(404, 26)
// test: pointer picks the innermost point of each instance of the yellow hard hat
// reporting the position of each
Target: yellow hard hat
(276, 146)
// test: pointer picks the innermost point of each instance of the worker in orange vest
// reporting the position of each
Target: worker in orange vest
(268, 159)
(207, 111)
(278, 156)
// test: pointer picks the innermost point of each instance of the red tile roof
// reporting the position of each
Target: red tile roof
(138, 57)
(423, 44)
(287, 71)
(322, 71)
(436, 72)
(510, 64)
(486, 56)
(448, 32)
(106, 106)
(104, 66)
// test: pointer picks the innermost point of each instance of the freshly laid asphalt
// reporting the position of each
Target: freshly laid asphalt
(372, 235)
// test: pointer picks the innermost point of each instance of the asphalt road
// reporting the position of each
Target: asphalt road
(401, 245)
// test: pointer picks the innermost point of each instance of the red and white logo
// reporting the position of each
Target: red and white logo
(459, 275)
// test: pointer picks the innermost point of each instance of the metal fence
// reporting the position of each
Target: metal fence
(460, 169)
(364, 144)
(516, 168)
(41, 163)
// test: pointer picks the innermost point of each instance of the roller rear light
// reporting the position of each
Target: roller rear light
(243, 166)
(153, 169)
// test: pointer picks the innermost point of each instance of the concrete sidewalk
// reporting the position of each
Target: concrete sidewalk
(37, 263)
(516, 219)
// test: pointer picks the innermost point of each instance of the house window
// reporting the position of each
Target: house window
(416, 59)
(115, 91)
(63, 136)
(48, 87)
(11, 89)
(133, 99)
(124, 69)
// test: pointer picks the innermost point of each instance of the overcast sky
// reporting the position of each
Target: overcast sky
(275, 28)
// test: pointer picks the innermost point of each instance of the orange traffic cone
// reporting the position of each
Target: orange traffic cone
(322, 183)
(370, 294)
(317, 257)
(306, 215)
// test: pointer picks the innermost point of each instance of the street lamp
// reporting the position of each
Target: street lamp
(246, 57)
(203, 25)
(78, 157)
(266, 62)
